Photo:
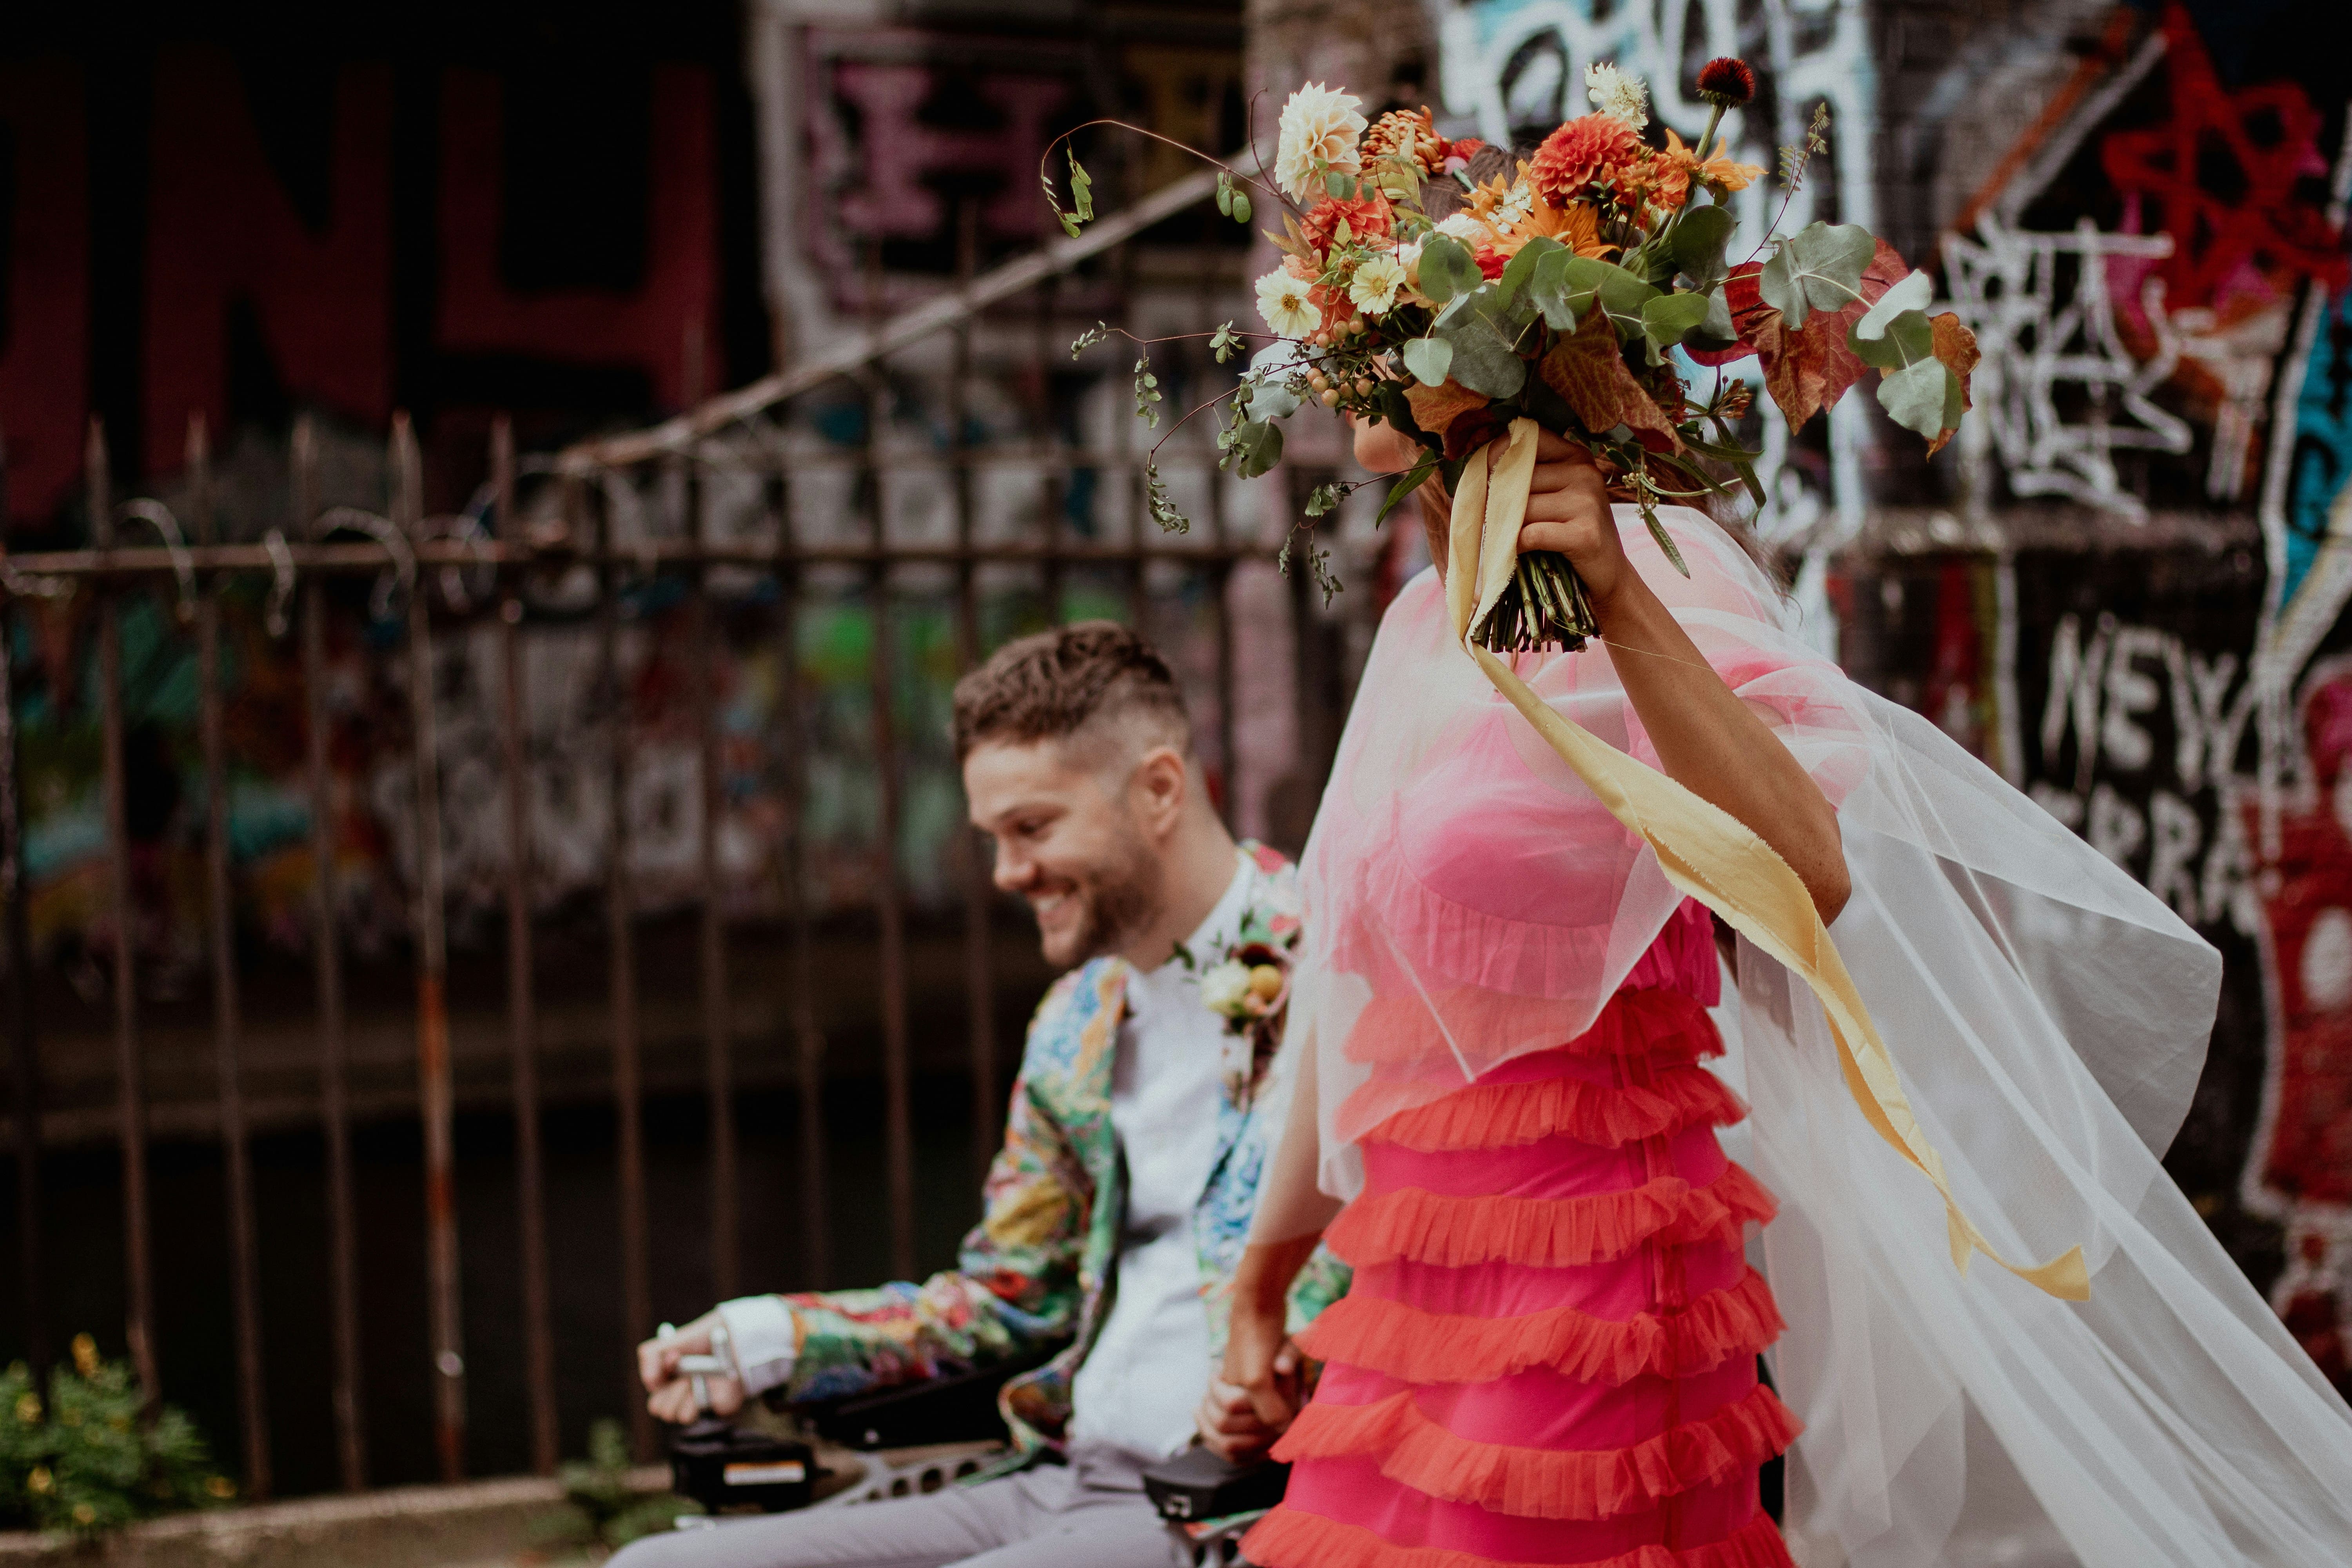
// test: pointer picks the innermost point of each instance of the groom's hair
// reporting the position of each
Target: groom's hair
(1088, 678)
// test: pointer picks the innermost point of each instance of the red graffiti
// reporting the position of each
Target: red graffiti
(2221, 176)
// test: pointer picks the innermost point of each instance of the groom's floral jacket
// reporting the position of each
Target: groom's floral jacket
(1039, 1268)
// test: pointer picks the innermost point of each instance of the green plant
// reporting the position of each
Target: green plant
(84, 1462)
(600, 1509)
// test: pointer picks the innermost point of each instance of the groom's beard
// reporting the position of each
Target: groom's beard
(1116, 900)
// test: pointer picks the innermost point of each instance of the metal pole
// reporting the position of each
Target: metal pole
(980, 975)
(25, 1051)
(334, 1094)
(522, 1021)
(817, 1228)
(131, 1073)
(726, 1243)
(253, 1405)
(898, 1127)
(435, 1099)
(637, 1283)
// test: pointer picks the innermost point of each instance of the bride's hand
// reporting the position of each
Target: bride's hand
(1568, 512)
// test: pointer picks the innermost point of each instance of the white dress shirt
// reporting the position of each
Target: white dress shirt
(1138, 1388)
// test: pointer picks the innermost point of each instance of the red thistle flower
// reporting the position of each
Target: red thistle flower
(1368, 218)
(1579, 153)
(1727, 81)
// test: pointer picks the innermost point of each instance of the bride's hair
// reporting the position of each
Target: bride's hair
(1446, 195)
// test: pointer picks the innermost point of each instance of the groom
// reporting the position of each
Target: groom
(1145, 1107)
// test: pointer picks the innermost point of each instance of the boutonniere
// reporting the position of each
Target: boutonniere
(1251, 984)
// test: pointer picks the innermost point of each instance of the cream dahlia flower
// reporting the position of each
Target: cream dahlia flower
(1317, 123)
(1284, 303)
(1464, 226)
(1617, 95)
(1373, 289)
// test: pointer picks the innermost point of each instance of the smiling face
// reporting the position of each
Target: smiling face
(1069, 839)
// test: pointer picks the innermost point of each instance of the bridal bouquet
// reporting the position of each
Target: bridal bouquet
(1582, 288)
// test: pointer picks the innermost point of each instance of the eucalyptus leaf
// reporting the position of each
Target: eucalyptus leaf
(1447, 269)
(1918, 395)
(1522, 267)
(1258, 445)
(1915, 292)
(1715, 330)
(1699, 238)
(1619, 294)
(1668, 319)
(1907, 337)
(1270, 399)
(1483, 361)
(1548, 290)
(1429, 359)
(1819, 268)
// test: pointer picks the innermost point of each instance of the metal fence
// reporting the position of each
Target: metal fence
(724, 521)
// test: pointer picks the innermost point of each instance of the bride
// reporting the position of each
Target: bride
(1550, 1351)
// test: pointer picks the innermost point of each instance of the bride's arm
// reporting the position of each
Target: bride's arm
(1707, 740)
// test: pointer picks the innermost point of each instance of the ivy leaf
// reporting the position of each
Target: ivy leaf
(1698, 241)
(1447, 269)
(1082, 189)
(1429, 359)
(1807, 369)
(1819, 268)
(1587, 368)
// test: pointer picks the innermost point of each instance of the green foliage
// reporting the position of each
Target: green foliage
(1447, 269)
(1918, 391)
(1231, 200)
(1324, 497)
(1794, 159)
(1819, 268)
(1147, 392)
(1082, 189)
(1224, 343)
(1430, 360)
(1410, 481)
(1098, 333)
(1155, 500)
(599, 1508)
(1697, 244)
(83, 1462)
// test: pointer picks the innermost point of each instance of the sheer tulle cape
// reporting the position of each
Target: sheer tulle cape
(1469, 901)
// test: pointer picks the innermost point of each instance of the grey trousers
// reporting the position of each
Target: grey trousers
(1045, 1517)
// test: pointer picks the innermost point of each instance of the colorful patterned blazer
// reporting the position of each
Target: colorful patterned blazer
(1039, 1269)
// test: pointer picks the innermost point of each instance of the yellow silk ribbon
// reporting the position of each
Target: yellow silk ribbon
(1704, 850)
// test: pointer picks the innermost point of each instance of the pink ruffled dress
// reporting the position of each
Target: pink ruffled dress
(1548, 1354)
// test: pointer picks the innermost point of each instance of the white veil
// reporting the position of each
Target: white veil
(2047, 1015)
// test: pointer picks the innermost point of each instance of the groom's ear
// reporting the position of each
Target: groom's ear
(1158, 788)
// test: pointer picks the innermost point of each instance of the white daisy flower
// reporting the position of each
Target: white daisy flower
(1617, 95)
(1373, 289)
(1317, 123)
(1283, 301)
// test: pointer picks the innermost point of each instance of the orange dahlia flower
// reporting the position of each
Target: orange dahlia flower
(1584, 152)
(1368, 217)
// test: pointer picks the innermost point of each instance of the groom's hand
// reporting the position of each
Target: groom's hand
(669, 1395)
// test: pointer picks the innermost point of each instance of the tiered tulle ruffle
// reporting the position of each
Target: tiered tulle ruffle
(1547, 1353)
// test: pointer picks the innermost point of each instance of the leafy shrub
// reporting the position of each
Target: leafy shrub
(84, 1462)
(599, 1508)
